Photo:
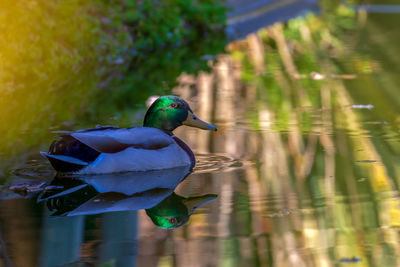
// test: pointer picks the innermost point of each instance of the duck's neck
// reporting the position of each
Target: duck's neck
(155, 122)
(158, 127)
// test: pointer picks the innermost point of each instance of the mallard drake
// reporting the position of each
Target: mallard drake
(112, 149)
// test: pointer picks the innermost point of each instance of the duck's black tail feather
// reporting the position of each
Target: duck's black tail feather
(70, 155)
(64, 163)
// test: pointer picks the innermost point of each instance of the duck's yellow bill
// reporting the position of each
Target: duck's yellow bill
(192, 203)
(193, 121)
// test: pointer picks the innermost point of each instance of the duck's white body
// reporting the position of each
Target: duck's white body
(137, 159)
(118, 150)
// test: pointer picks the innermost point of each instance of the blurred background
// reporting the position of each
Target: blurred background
(305, 96)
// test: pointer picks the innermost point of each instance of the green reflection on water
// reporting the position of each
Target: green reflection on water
(315, 108)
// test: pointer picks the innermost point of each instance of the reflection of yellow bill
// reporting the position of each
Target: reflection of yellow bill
(192, 203)
(193, 121)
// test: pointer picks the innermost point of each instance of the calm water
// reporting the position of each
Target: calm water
(303, 170)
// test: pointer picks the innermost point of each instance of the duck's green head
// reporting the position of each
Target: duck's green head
(169, 112)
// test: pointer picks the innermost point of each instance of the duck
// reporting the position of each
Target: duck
(108, 149)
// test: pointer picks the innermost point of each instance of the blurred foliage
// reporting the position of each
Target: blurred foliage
(47, 66)
(94, 58)
(166, 39)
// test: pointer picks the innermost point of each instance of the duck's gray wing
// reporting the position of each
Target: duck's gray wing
(113, 140)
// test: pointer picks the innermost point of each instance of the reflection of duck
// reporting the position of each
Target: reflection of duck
(175, 210)
(113, 192)
(152, 190)
(111, 149)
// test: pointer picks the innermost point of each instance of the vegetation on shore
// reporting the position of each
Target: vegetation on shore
(95, 60)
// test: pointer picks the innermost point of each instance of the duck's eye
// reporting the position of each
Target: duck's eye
(172, 220)
(173, 105)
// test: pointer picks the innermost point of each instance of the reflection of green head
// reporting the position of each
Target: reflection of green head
(169, 112)
(174, 211)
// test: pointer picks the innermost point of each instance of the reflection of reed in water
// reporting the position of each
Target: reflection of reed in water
(303, 201)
